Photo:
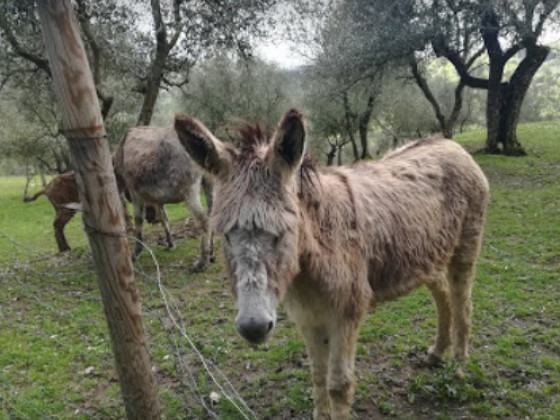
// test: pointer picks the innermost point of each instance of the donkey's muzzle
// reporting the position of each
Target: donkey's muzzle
(255, 330)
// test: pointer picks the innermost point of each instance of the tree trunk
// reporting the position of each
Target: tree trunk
(364, 126)
(339, 156)
(446, 125)
(449, 127)
(513, 96)
(152, 89)
(331, 154)
(493, 107)
(155, 76)
(102, 215)
(349, 126)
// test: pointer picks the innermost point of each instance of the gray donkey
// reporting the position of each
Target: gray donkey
(329, 242)
(153, 167)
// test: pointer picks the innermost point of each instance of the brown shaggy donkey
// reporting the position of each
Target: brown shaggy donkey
(331, 242)
(155, 169)
(62, 192)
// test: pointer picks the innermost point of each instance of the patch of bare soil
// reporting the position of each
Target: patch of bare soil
(180, 229)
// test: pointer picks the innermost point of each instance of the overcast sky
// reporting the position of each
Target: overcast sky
(289, 55)
(282, 53)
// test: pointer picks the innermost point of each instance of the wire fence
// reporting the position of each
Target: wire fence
(192, 370)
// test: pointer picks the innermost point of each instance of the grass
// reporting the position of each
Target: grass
(56, 359)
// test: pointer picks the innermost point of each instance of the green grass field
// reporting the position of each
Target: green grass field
(56, 360)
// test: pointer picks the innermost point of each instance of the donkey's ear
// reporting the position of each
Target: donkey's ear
(289, 141)
(205, 149)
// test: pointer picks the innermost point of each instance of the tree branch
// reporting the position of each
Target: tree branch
(474, 57)
(96, 51)
(159, 25)
(37, 60)
(178, 84)
(423, 85)
(441, 49)
(510, 52)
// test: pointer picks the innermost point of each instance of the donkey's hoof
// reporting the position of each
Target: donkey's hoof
(433, 359)
(198, 266)
(459, 373)
(321, 414)
(170, 247)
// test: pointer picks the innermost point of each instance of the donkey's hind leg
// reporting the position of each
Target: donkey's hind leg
(439, 287)
(165, 222)
(138, 227)
(195, 207)
(63, 216)
(462, 274)
(208, 189)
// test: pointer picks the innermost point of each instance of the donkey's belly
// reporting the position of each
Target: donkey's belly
(161, 194)
(391, 289)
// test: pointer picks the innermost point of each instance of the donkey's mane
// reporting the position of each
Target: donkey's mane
(309, 180)
(250, 136)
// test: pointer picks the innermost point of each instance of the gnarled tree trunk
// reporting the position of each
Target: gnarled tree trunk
(505, 99)
(512, 97)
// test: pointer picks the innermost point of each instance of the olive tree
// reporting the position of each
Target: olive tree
(227, 87)
(135, 49)
(461, 32)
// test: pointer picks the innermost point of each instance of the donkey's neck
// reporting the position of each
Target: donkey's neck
(327, 209)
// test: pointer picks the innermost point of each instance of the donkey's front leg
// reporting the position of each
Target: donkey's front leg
(317, 344)
(340, 380)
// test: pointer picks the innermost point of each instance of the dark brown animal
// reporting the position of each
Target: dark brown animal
(62, 192)
(155, 169)
(331, 242)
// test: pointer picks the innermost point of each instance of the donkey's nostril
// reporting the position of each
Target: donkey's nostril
(254, 330)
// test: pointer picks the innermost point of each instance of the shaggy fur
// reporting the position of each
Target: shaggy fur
(62, 192)
(153, 167)
(333, 241)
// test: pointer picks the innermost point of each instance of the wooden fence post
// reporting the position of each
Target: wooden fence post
(102, 216)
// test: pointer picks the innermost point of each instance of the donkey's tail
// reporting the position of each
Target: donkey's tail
(34, 196)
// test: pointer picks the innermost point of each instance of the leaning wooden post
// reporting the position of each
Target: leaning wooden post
(102, 216)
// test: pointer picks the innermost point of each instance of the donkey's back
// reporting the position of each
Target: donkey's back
(157, 170)
(422, 207)
(156, 166)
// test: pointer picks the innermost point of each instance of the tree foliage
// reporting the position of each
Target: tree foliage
(225, 87)
(135, 49)
(460, 31)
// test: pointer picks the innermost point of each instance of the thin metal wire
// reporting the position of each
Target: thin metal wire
(181, 342)
(179, 324)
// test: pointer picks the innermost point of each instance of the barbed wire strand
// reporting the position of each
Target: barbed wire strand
(173, 313)
(179, 323)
